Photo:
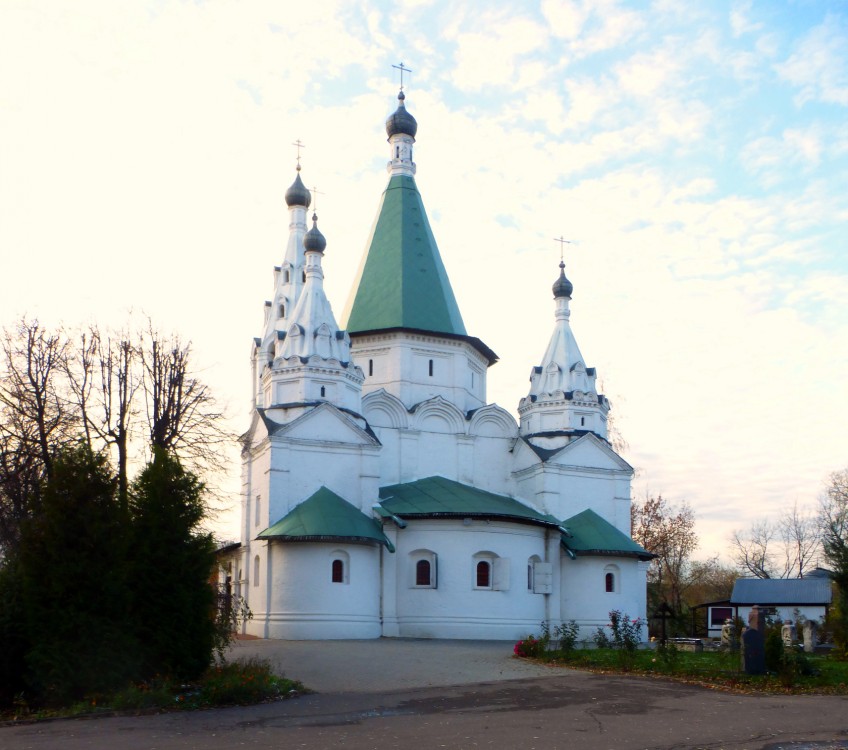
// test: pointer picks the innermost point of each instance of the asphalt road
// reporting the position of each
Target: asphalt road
(375, 708)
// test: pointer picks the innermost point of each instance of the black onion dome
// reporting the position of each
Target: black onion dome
(562, 286)
(313, 240)
(297, 194)
(401, 121)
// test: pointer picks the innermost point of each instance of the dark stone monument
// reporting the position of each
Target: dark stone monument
(753, 643)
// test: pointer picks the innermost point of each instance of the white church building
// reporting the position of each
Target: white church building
(382, 495)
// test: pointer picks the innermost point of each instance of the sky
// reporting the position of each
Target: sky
(695, 155)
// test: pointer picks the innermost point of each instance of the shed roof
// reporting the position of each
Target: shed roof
(326, 517)
(784, 591)
(435, 497)
(592, 535)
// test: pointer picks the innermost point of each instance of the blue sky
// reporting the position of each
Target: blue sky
(696, 154)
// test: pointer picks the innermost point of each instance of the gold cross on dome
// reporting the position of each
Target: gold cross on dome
(315, 192)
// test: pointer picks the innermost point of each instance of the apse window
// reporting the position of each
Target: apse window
(483, 574)
(423, 569)
(423, 572)
(611, 580)
(490, 572)
(339, 567)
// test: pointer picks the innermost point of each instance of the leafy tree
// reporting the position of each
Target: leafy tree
(74, 582)
(172, 559)
(833, 519)
(13, 632)
(669, 532)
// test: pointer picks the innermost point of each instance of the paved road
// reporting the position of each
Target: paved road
(377, 709)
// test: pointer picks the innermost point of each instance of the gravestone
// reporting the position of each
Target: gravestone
(810, 632)
(788, 633)
(753, 643)
(728, 636)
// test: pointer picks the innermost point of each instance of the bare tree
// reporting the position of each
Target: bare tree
(784, 548)
(182, 414)
(799, 532)
(753, 551)
(35, 419)
(104, 377)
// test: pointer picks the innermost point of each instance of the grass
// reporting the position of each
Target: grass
(808, 673)
(228, 684)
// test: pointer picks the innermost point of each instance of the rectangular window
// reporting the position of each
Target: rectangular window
(719, 614)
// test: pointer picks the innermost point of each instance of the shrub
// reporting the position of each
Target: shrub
(241, 683)
(567, 634)
(530, 647)
(626, 633)
(601, 639)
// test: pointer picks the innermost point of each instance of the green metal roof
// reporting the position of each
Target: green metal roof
(326, 517)
(592, 535)
(403, 282)
(440, 497)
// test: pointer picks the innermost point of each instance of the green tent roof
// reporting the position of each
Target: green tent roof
(440, 497)
(592, 535)
(403, 283)
(326, 517)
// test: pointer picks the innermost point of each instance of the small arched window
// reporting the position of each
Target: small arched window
(422, 573)
(323, 391)
(423, 567)
(431, 368)
(370, 366)
(287, 277)
(256, 570)
(484, 574)
(612, 582)
(339, 566)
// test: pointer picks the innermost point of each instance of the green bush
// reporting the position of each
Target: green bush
(241, 683)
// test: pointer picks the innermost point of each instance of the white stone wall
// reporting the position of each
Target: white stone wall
(305, 604)
(584, 595)
(456, 608)
(400, 363)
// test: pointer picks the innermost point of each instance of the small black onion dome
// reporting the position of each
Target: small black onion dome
(313, 240)
(401, 121)
(562, 286)
(297, 194)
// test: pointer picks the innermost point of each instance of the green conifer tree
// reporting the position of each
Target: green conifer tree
(173, 602)
(74, 583)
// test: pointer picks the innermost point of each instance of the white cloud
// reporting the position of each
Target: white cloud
(490, 58)
(819, 65)
(740, 19)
